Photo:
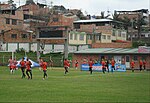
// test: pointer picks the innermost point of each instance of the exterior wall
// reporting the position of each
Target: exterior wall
(12, 47)
(88, 28)
(77, 41)
(104, 29)
(25, 46)
(118, 34)
(33, 47)
(106, 40)
(29, 9)
(62, 20)
(18, 16)
(112, 45)
(81, 57)
(7, 36)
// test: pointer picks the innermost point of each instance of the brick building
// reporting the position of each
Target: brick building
(101, 31)
(125, 55)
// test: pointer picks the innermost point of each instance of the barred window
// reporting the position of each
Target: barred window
(81, 37)
(71, 36)
(14, 36)
(75, 36)
(14, 22)
(103, 36)
(7, 21)
(109, 37)
(24, 36)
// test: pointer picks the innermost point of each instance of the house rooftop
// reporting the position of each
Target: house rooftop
(110, 51)
(93, 20)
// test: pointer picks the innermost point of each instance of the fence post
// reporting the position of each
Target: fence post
(3, 59)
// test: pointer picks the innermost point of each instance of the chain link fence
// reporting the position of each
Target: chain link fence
(57, 62)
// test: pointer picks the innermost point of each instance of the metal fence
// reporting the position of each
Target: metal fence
(57, 62)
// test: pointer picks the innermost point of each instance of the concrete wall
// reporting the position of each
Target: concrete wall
(33, 47)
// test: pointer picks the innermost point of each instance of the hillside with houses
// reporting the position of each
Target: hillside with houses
(38, 27)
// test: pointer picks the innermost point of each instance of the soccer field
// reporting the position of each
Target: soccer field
(77, 86)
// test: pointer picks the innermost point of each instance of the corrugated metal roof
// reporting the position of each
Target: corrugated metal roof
(93, 20)
(110, 51)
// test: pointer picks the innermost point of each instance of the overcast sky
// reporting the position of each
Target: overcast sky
(94, 7)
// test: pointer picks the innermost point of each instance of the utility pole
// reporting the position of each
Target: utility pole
(131, 29)
(66, 45)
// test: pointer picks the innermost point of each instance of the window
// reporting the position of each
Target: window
(14, 36)
(14, 22)
(103, 36)
(81, 37)
(113, 33)
(135, 58)
(24, 36)
(109, 37)
(89, 37)
(119, 33)
(127, 59)
(55, 19)
(7, 21)
(98, 37)
(33, 36)
(75, 36)
(71, 36)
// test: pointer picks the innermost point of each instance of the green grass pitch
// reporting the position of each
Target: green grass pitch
(77, 86)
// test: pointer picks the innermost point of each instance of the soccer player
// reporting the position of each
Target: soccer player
(44, 66)
(28, 69)
(40, 63)
(141, 63)
(76, 64)
(23, 66)
(132, 64)
(66, 64)
(90, 66)
(107, 64)
(112, 64)
(14, 63)
(144, 65)
(11, 65)
(103, 65)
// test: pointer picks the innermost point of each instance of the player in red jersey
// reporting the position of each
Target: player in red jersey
(112, 64)
(76, 64)
(66, 65)
(44, 66)
(40, 63)
(10, 65)
(23, 66)
(103, 66)
(144, 64)
(14, 64)
(28, 68)
(141, 63)
(90, 66)
(132, 64)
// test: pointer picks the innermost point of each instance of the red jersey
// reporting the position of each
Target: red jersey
(132, 64)
(90, 64)
(103, 64)
(44, 65)
(76, 64)
(23, 63)
(28, 65)
(113, 62)
(41, 62)
(141, 63)
(66, 64)
(144, 63)
(10, 62)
